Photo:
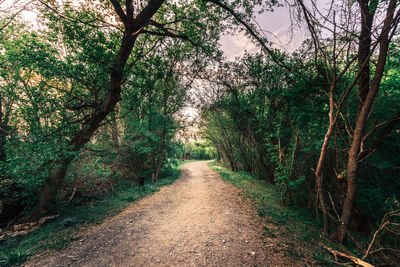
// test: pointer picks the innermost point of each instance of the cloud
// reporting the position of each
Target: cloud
(286, 40)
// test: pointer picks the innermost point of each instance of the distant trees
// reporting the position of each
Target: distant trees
(202, 150)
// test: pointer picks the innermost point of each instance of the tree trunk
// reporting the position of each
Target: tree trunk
(153, 167)
(218, 152)
(322, 157)
(3, 133)
(48, 192)
(364, 51)
(159, 166)
(161, 155)
(246, 163)
(229, 157)
(361, 121)
(114, 132)
(47, 201)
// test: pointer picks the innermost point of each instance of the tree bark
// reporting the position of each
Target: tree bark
(161, 155)
(153, 167)
(364, 51)
(47, 200)
(114, 132)
(361, 121)
(2, 132)
(218, 152)
(321, 160)
(159, 166)
(229, 156)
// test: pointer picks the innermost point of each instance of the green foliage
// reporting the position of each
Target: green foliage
(261, 126)
(38, 106)
(270, 123)
(202, 150)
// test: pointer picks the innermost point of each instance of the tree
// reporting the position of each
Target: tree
(131, 27)
(367, 93)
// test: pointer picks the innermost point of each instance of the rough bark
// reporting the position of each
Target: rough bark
(364, 51)
(361, 121)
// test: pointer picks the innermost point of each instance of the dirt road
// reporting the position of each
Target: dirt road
(197, 221)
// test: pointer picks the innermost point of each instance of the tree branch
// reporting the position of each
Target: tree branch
(167, 33)
(143, 18)
(349, 257)
(129, 9)
(120, 12)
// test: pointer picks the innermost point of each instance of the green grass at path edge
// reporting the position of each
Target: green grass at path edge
(59, 232)
(295, 228)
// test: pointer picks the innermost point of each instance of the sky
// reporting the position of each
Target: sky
(276, 25)
(277, 29)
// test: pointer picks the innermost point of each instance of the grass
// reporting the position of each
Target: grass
(295, 230)
(74, 219)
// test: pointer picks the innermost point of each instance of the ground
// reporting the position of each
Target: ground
(197, 221)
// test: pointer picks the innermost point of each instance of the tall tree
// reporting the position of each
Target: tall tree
(367, 93)
(132, 25)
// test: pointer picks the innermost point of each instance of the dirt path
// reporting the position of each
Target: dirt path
(197, 221)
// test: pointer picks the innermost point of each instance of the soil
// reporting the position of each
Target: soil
(197, 221)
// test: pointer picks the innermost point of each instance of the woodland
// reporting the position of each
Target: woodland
(93, 95)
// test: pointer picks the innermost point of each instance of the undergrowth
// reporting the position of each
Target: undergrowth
(296, 231)
(74, 219)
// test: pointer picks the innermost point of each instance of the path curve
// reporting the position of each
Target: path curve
(199, 220)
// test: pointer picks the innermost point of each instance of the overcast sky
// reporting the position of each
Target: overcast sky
(277, 29)
(276, 25)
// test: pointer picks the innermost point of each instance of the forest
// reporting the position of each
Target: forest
(94, 94)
